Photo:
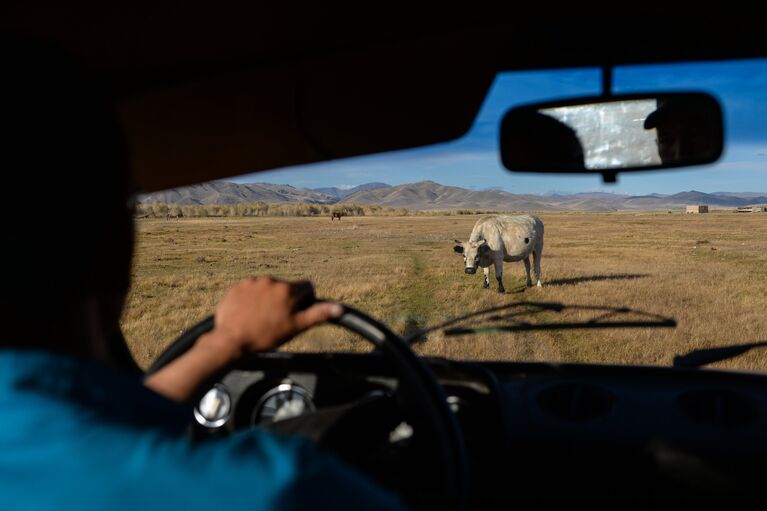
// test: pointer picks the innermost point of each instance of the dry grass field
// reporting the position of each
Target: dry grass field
(709, 272)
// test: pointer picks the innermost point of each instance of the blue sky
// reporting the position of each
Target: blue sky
(473, 161)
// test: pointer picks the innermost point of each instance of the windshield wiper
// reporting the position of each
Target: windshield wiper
(699, 358)
(511, 320)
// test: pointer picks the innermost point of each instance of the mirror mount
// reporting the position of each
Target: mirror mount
(607, 81)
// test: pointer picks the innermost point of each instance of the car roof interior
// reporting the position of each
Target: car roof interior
(205, 94)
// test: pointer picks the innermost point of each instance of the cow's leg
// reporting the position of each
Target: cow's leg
(537, 265)
(499, 275)
(486, 284)
(529, 281)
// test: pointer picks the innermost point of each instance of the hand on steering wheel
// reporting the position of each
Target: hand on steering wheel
(261, 314)
(289, 310)
(255, 315)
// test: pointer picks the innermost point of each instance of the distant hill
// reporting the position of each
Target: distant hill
(428, 195)
(340, 193)
(224, 192)
(744, 195)
(695, 197)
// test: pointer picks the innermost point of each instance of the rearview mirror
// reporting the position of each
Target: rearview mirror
(613, 134)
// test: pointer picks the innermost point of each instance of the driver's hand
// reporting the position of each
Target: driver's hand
(261, 313)
(255, 315)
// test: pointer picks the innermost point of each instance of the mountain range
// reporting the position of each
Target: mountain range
(341, 193)
(428, 195)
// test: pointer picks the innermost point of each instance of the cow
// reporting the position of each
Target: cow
(338, 215)
(497, 239)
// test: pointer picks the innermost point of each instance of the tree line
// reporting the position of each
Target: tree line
(261, 209)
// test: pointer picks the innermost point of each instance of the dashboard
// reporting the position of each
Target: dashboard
(274, 387)
(597, 432)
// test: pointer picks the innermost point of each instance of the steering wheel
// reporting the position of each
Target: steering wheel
(418, 389)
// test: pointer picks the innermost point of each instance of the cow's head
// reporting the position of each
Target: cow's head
(474, 254)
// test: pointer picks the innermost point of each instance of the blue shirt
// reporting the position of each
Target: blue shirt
(76, 435)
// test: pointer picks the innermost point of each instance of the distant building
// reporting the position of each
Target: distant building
(752, 209)
(697, 209)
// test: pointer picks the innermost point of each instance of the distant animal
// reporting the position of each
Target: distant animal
(337, 215)
(497, 239)
(178, 215)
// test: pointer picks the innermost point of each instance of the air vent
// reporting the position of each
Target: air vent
(576, 401)
(719, 407)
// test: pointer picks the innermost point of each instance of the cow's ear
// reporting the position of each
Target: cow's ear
(483, 248)
(458, 248)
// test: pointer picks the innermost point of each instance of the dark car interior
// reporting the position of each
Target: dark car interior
(205, 92)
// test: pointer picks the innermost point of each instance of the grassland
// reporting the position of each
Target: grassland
(708, 272)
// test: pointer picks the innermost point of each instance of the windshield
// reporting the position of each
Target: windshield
(383, 232)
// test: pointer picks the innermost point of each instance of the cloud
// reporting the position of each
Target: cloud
(344, 187)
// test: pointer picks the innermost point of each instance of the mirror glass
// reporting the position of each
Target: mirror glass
(613, 134)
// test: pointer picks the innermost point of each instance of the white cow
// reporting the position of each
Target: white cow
(497, 239)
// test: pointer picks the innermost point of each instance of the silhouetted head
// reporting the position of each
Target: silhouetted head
(685, 128)
(535, 141)
(68, 237)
